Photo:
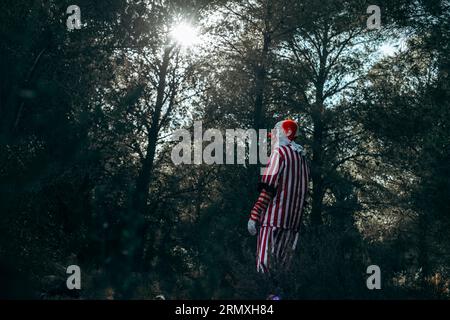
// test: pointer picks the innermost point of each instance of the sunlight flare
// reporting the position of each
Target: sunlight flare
(185, 34)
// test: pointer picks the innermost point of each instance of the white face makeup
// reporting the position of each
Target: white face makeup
(279, 135)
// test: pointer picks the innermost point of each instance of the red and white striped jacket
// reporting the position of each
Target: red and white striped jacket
(283, 187)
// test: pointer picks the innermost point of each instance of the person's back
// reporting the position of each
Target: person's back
(285, 209)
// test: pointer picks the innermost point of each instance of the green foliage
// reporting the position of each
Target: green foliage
(86, 175)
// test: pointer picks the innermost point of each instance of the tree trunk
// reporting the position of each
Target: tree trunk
(260, 83)
(317, 166)
(317, 144)
(140, 196)
(259, 121)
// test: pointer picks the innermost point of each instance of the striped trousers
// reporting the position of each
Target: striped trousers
(275, 248)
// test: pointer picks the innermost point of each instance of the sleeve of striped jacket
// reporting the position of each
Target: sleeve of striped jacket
(307, 179)
(260, 205)
(270, 178)
(268, 184)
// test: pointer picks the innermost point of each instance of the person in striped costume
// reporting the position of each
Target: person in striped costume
(278, 210)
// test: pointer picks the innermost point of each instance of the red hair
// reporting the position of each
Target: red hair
(292, 126)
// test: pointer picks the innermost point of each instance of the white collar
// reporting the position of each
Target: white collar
(284, 141)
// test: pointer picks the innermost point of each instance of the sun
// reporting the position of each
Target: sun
(184, 34)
